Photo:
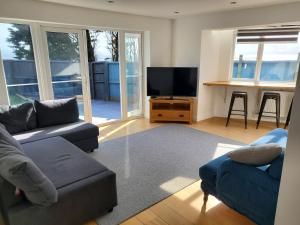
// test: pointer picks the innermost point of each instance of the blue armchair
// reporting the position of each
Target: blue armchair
(250, 190)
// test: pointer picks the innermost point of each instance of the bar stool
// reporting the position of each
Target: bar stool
(269, 96)
(244, 96)
(287, 122)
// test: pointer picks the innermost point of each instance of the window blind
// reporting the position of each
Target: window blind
(268, 35)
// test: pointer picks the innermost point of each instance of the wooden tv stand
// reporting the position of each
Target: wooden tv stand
(171, 110)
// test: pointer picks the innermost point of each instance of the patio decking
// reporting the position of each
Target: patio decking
(103, 111)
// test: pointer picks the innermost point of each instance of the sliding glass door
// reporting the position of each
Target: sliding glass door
(101, 68)
(133, 73)
(104, 75)
(67, 67)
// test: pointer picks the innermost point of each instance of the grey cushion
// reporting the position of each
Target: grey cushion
(19, 118)
(62, 161)
(256, 155)
(2, 126)
(20, 171)
(7, 139)
(72, 132)
(55, 112)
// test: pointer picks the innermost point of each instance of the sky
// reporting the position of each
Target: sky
(101, 51)
(6, 50)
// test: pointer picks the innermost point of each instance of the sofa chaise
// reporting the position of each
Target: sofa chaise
(86, 189)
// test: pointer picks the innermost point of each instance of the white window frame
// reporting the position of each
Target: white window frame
(84, 70)
(139, 111)
(259, 62)
(45, 82)
(4, 93)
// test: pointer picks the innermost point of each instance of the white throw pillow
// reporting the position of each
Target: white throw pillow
(258, 155)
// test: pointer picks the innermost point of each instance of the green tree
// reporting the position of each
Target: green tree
(20, 40)
(61, 46)
(113, 44)
(91, 39)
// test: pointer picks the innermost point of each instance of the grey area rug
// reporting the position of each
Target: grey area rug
(153, 164)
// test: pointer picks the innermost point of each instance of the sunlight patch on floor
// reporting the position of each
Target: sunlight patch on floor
(171, 186)
(223, 148)
(197, 203)
(102, 137)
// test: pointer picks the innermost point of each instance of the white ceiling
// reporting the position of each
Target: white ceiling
(166, 8)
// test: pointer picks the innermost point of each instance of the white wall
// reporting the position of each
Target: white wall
(214, 65)
(158, 32)
(192, 47)
(288, 210)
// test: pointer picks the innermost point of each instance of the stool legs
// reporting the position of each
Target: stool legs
(269, 96)
(261, 110)
(230, 110)
(246, 111)
(288, 116)
(278, 112)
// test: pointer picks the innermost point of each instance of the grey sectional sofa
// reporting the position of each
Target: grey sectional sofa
(86, 189)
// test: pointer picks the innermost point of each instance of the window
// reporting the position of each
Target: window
(19, 63)
(63, 49)
(279, 62)
(266, 55)
(245, 61)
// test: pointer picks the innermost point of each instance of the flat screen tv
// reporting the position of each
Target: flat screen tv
(172, 81)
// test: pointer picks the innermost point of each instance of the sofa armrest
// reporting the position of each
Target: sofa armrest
(278, 136)
(8, 198)
(275, 168)
(249, 190)
(251, 174)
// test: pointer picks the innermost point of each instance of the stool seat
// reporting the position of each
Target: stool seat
(240, 94)
(269, 96)
(244, 96)
(272, 95)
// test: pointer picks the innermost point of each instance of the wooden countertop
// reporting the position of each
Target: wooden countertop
(262, 85)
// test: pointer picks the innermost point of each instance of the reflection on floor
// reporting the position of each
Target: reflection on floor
(103, 111)
(186, 206)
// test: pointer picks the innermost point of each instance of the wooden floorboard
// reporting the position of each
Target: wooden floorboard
(186, 206)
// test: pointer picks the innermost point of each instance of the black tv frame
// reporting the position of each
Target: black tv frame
(174, 96)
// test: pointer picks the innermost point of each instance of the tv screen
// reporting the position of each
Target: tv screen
(172, 81)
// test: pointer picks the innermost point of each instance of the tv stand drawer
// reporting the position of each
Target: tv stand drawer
(170, 115)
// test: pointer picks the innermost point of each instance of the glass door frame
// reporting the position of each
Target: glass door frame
(123, 81)
(84, 70)
(138, 112)
(3, 88)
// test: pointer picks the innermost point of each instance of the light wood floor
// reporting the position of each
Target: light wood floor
(186, 206)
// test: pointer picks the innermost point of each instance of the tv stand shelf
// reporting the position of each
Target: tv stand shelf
(171, 110)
